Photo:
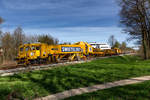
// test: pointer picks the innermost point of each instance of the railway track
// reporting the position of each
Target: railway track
(11, 70)
(31, 68)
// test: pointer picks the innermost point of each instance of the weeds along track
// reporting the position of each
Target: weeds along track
(40, 67)
(11, 70)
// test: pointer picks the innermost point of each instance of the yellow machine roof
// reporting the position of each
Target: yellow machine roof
(81, 43)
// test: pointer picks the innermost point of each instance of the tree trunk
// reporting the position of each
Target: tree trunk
(144, 46)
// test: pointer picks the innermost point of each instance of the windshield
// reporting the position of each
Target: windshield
(21, 49)
(37, 48)
(33, 48)
(27, 48)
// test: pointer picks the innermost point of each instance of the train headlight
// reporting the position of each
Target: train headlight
(31, 53)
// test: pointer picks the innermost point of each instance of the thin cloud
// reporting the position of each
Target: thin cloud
(40, 4)
(58, 13)
(68, 20)
(74, 34)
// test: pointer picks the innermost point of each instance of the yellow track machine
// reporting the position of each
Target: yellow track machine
(40, 53)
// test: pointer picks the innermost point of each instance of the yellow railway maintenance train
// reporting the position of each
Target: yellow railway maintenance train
(40, 53)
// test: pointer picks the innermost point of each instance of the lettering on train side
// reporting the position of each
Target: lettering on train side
(71, 49)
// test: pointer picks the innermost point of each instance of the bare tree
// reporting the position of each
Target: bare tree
(11, 42)
(31, 39)
(111, 40)
(116, 45)
(123, 46)
(1, 20)
(135, 17)
(47, 39)
(18, 39)
(1, 53)
(7, 46)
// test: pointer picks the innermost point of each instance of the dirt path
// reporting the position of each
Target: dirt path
(79, 91)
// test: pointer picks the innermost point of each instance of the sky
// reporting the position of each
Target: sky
(67, 20)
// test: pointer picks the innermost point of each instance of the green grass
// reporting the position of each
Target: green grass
(130, 92)
(42, 83)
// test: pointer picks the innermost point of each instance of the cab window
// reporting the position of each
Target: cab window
(54, 49)
(37, 48)
(21, 49)
(27, 48)
(33, 48)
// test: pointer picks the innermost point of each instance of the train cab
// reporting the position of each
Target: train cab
(22, 53)
(32, 53)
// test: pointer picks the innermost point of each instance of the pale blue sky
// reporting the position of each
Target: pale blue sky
(67, 20)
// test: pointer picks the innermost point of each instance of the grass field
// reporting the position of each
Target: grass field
(42, 83)
(130, 92)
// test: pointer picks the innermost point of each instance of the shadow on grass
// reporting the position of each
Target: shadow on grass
(57, 81)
